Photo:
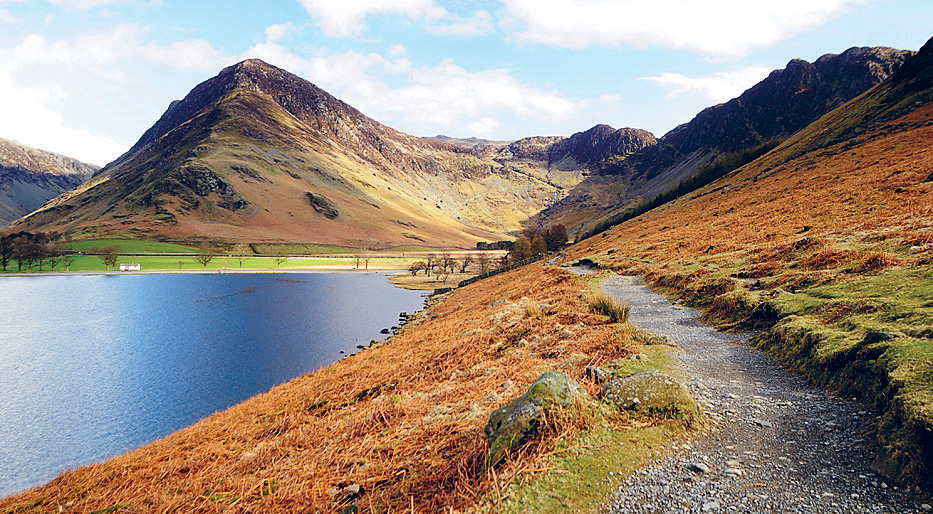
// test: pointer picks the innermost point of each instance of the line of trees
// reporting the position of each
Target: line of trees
(445, 264)
(535, 242)
(30, 250)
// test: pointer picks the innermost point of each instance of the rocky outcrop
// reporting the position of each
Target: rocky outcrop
(600, 142)
(516, 423)
(322, 205)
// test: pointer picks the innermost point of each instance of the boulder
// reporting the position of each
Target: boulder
(652, 392)
(518, 421)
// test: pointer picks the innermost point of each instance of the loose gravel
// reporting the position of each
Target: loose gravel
(774, 443)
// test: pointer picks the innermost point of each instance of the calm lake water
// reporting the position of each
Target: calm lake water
(91, 366)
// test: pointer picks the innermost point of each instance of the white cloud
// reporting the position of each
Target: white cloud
(6, 18)
(64, 71)
(30, 117)
(431, 99)
(483, 128)
(481, 23)
(120, 42)
(720, 86)
(712, 27)
(345, 18)
(275, 33)
(187, 55)
(84, 4)
(397, 50)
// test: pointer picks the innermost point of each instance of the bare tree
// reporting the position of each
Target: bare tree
(110, 255)
(414, 268)
(241, 250)
(24, 251)
(205, 255)
(279, 257)
(429, 263)
(465, 262)
(482, 260)
(54, 254)
(6, 251)
(447, 261)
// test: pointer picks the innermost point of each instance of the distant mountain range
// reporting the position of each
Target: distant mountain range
(778, 106)
(259, 154)
(30, 177)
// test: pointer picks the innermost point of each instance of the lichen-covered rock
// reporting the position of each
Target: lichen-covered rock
(652, 392)
(518, 421)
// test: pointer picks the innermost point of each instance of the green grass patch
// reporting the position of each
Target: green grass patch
(578, 479)
(129, 246)
(301, 249)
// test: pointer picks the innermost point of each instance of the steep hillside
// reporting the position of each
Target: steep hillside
(259, 154)
(30, 177)
(826, 244)
(778, 106)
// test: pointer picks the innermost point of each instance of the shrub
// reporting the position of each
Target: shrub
(601, 303)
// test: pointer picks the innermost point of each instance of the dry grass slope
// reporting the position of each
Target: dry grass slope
(831, 248)
(402, 420)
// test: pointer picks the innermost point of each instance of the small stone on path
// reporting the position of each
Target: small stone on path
(698, 467)
(712, 506)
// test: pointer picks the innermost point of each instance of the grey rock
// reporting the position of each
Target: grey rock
(698, 467)
(926, 507)
(652, 392)
(517, 422)
(711, 506)
(352, 490)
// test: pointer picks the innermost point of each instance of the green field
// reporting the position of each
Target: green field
(168, 263)
(129, 246)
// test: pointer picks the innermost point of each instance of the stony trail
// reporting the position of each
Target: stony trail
(775, 444)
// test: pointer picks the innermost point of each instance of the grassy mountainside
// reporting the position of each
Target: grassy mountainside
(781, 104)
(826, 244)
(257, 154)
(30, 177)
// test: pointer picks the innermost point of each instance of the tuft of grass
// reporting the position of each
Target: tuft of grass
(532, 310)
(601, 303)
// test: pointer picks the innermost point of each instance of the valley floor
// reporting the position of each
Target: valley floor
(775, 444)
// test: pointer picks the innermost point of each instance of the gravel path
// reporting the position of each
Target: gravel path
(775, 444)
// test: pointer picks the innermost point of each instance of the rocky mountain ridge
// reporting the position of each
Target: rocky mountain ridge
(30, 177)
(783, 103)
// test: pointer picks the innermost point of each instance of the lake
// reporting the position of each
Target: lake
(91, 366)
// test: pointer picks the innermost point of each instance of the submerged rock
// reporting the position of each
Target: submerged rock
(518, 421)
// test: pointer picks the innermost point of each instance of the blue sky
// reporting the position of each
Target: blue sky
(87, 77)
